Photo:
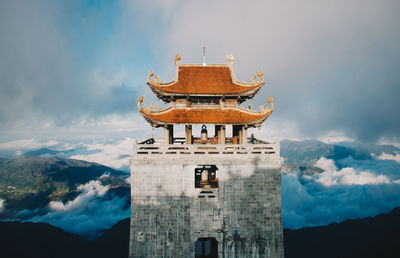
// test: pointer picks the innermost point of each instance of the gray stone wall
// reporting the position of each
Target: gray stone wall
(169, 214)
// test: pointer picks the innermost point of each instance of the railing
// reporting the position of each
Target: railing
(272, 149)
(197, 140)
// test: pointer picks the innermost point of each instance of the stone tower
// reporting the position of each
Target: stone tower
(209, 196)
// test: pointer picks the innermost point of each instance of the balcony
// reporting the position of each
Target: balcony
(253, 147)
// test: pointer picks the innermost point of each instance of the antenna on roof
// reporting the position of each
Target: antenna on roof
(204, 55)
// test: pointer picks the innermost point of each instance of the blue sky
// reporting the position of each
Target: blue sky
(73, 69)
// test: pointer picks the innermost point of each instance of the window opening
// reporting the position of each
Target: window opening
(205, 101)
(206, 177)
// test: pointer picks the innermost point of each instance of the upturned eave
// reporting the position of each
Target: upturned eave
(196, 80)
(206, 115)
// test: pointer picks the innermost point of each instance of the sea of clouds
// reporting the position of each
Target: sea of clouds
(89, 214)
(346, 189)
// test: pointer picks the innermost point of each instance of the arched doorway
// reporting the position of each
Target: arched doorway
(206, 247)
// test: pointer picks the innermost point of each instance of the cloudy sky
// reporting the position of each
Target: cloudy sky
(74, 69)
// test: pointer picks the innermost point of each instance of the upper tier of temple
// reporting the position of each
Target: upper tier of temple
(206, 94)
(196, 80)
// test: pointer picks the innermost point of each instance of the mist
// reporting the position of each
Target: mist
(359, 189)
(89, 214)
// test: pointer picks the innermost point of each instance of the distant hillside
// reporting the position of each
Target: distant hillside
(42, 240)
(302, 155)
(43, 152)
(309, 151)
(369, 237)
(31, 182)
(299, 155)
(28, 239)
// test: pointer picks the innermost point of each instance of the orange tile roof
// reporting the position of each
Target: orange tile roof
(205, 80)
(205, 116)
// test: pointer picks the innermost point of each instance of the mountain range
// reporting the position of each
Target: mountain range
(29, 182)
(302, 155)
(33, 180)
(370, 237)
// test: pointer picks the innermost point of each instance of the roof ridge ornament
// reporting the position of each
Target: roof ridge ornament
(268, 109)
(140, 100)
(156, 80)
(220, 84)
(230, 59)
(177, 58)
(259, 74)
(149, 107)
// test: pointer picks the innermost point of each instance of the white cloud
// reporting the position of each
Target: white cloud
(89, 191)
(2, 206)
(114, 155)
(346, 176)
(88, 214)
(386, 156)
(84, 128)
(339, 194)
(349, 176)
(335, 137)
(25, 144)
(277, 129)
(389, 141)
(326, 164)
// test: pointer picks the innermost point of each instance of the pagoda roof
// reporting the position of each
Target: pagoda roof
(205, 80)
(205, 115)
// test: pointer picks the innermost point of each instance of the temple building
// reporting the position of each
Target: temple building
(212, 195)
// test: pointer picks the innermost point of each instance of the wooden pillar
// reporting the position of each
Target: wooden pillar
(240, 140)
(218, 133)
(237, 134)
(166, 134)
(188, 135)
(169, 134)
(244, 135)
(222, 135)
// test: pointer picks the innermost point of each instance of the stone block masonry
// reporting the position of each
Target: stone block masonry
(241, 217)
